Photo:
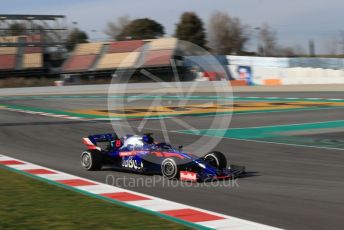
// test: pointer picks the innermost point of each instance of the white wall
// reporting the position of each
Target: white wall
(277, 68)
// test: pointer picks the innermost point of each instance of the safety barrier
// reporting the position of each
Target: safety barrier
(283, 71)
(323, 63)
(292, 76)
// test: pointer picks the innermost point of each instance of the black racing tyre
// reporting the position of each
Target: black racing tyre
(91, 160)
(216, 159)
(169, 168)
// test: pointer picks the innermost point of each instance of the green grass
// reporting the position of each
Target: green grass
(26, 203)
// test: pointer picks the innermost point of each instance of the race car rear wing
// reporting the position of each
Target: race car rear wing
(92, 140)
(103, 137)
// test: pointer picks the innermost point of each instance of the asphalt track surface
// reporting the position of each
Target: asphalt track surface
(290, 186)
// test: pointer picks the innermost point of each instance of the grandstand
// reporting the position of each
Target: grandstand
(106, 58)
(20, 58)
(123, 54)
(26, 53)
(160, 52)
(39, 51)
(83, 57)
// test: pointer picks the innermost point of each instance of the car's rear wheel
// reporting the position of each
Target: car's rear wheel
(216, 159)
(169, 168)
(91, 160)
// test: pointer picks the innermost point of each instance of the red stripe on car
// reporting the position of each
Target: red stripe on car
(167, 154)
(126, 154)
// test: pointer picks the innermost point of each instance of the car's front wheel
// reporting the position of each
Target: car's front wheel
(169, 168)
(91, 160)
(216, 159)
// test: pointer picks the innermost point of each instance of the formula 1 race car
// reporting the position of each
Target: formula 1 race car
(140, 154)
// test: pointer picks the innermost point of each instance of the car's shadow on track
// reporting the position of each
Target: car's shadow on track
(249, 174)
(127, 172)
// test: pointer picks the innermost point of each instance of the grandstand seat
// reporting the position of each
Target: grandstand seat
(7, 62)
(79, 63)
(33, 49)
(8, 50)
(163, 44)
(120, 54)
(118, 60)
(9, 39)
(88, 48)
(125, 46)
(158, 58)
(33, 38)
(32, 60)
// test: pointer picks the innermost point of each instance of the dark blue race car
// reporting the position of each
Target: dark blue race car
(140, 154)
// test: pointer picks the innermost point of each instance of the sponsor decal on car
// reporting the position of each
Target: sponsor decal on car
(132, 163)
(188, 176)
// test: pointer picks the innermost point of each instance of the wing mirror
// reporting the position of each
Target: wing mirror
(180, 148)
